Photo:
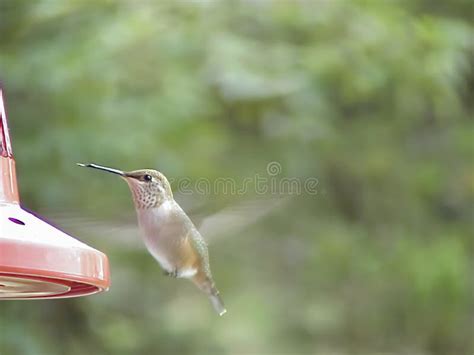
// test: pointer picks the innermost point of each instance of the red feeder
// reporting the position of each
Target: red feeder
(36, 259)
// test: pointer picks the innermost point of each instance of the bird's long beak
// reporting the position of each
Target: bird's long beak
(104, 168)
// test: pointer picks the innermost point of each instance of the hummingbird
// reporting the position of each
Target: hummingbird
(169, 234)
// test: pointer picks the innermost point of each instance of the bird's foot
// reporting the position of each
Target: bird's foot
(173, 273)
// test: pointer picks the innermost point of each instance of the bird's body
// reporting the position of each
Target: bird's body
(165, 236)
(172, 239)
(168, 233)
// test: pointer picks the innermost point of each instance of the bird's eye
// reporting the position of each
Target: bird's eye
(147, 177)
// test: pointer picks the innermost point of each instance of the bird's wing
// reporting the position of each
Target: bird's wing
(123, 231)
(236, 217)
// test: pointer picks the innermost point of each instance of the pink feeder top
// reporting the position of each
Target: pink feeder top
(38, 260)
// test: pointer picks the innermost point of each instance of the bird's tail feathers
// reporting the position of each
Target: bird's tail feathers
(217, 303)
(206, 284)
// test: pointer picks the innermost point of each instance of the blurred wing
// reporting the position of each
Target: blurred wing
(237, 217)
(124, 232)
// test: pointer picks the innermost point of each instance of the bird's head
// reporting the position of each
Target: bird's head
(149, 188)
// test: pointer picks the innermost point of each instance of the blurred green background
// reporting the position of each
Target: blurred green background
(372, 98)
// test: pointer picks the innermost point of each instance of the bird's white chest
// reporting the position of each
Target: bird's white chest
(151, 222)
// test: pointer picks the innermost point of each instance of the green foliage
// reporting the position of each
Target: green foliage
(373, 98)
